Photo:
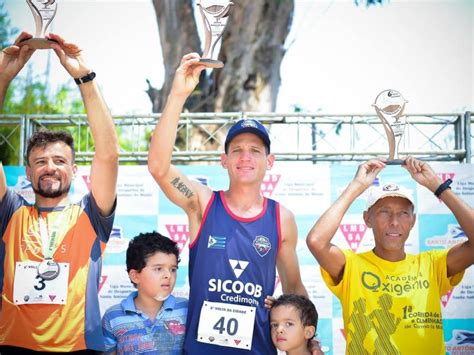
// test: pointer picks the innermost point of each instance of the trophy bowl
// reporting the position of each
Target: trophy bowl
(215, 14)
(390, 102)
(43, 13)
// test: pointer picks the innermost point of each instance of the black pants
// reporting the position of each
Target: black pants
(13, 350)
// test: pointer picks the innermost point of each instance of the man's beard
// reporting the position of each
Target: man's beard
(50, 193)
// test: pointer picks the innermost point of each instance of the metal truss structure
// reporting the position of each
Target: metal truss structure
(295, 136)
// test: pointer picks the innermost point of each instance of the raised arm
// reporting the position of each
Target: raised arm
(12, 60)
(3, 182)
(177, 187)
(105, 163)
(329, 256)
(460, 256)
(287, 260)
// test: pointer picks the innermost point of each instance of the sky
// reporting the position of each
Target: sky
(339, 56)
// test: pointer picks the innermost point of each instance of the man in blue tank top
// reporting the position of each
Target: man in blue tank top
(237, 237)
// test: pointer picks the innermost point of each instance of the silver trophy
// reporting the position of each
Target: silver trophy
(215, 14)
(43, 13)
(389, 106)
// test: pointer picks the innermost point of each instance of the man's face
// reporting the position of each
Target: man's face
(51, 169)
(246, 159)
(391, 219)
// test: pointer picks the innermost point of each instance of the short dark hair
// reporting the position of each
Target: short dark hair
(145, 245)
(306, 308)
(43, 137)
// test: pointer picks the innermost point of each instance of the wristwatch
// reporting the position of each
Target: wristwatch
(85, 78)
(445, 185)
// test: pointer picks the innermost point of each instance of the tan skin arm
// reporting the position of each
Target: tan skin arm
(3, 182)
(192, 197)
(329, 256)
(104, 167)
(12, 60)
(288, 266)
(287, 260)
(460, 256)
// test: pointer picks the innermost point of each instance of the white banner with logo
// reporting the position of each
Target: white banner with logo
(307, 190)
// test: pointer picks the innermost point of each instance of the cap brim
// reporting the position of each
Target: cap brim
(390, 194)
(256, 131)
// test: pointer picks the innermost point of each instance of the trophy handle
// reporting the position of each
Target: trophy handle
(398, 133)
(389, 106)
(54, 6)
(389, 133)
(37, 17)
(207, 32)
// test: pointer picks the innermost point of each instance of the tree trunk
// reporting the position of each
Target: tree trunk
(253, 49)
(178, 36)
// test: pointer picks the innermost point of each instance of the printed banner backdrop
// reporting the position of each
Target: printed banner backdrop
(307, 190)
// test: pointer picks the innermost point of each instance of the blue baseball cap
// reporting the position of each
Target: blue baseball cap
(248, 126)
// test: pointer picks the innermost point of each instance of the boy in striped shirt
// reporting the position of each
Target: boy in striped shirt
(150, 320)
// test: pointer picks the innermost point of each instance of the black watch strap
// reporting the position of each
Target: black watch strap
(445, 185)
(85, 78)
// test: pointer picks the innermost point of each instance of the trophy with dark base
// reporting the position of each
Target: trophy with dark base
(389, 106)
(43, 13)
(215, 14)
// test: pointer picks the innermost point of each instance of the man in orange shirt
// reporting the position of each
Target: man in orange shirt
(51, 251)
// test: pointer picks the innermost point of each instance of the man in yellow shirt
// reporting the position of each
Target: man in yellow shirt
(390, 299)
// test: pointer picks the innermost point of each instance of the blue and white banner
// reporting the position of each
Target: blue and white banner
(308, 192)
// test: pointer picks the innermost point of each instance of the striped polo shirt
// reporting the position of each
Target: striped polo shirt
(128, 330)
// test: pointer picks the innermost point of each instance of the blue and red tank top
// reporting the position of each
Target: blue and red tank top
(233, 260)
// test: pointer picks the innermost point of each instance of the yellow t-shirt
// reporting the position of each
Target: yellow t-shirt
(393, 307)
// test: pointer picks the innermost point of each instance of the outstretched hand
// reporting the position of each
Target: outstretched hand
(69, 55)
(14, 58)
(187, 75)
(422, 173)
(368, 171)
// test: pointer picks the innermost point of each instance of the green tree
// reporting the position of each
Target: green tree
(7, 142)
(6, 30)
(28, 95)
(253, 48)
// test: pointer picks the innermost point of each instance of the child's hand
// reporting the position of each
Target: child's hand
(269, 301)
(315, 347)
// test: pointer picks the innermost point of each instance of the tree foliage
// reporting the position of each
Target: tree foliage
(369, 2)
(6, 29)
(252, 48)
(29, 95)
(26, 97)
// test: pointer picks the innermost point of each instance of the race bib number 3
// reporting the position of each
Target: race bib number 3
(226, 324)
(30, 288)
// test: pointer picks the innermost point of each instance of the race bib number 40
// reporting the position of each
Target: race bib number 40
(31, 288)
(226, 324)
